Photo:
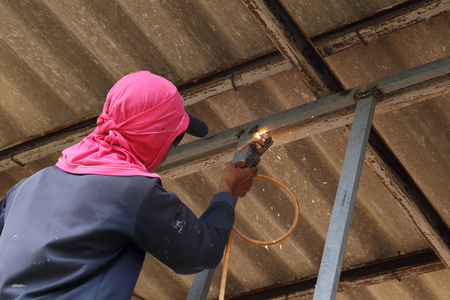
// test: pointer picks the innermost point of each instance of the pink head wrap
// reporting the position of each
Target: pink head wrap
(142, 115)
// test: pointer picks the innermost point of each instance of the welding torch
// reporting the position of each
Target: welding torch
(258, 145)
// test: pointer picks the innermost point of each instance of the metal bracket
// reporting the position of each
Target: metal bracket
(17, 161)
(370, 91)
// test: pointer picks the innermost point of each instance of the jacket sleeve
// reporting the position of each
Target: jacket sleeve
(3, 204)
(3, 209)
(2, 213)
(167, 229)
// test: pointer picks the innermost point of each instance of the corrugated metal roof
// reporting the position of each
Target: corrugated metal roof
(59, 59)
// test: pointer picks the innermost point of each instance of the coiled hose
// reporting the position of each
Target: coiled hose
(257, 242)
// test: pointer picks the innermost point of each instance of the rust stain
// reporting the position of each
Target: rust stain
(401, 197)
(290, 52)
(367, 33)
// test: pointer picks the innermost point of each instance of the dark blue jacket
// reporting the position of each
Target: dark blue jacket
(66, 236)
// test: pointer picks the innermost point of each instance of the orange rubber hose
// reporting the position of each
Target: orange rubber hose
(256, 242)
(223, 281)
(291, 229)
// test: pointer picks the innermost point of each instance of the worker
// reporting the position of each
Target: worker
(80, 229)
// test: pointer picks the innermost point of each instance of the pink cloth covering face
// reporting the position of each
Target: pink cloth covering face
(142, 115)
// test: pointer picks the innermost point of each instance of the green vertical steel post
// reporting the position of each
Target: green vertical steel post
(333, 254)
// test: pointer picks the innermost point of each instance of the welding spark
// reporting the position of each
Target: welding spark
(261, 135)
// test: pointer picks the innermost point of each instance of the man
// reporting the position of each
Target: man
(80, 229)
